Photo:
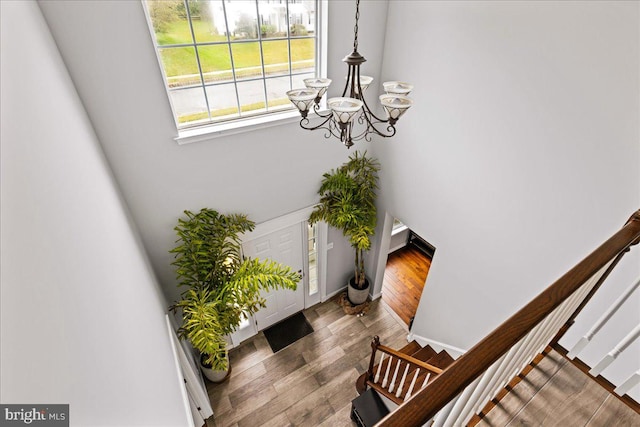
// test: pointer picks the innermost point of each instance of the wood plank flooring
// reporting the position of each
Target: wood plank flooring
(309, 383)
(557, 393)
(404, 278)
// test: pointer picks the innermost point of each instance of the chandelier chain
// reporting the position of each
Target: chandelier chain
(355, 28)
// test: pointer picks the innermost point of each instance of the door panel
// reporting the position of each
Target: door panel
(283, 246)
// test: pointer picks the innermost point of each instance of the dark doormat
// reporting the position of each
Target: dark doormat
(287, 331)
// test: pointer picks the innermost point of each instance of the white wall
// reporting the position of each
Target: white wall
(266, 173)
(521, 154)
(82, 318)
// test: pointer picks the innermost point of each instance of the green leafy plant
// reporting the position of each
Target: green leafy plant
(299, 30)
(222, 287)
(267, 30)
(347, 202)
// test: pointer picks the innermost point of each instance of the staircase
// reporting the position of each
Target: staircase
(398, 374)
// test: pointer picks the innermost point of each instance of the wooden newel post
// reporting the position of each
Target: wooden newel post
(375, 342)
(361, 383)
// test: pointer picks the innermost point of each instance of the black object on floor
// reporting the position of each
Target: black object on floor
(287, 331)
(368, 408)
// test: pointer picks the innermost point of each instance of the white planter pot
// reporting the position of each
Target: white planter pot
(216, 376)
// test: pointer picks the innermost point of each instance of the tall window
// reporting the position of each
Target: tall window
(229, 59)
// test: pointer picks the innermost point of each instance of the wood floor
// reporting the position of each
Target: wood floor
(312, 382)
(404, 278)
(309, 383)
(557, 393)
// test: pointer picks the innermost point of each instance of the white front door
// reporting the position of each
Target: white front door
(285, 247)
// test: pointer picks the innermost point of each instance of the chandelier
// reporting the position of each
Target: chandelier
(349, 117)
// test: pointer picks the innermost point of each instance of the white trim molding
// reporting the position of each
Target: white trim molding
(455, 352)
(334, 293)
(275, 224)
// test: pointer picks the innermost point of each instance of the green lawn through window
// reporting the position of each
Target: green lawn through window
(181, 64)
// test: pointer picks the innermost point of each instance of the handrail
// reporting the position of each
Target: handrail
(410, 359)
(369, 379)
(428, 401)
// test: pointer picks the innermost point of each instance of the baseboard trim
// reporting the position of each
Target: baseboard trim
(455, 352)
(344, 289)
(334, 293)
(395, 316)
(397, 247)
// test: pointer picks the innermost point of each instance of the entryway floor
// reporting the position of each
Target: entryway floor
(309, 383)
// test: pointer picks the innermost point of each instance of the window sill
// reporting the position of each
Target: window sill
(204, 133)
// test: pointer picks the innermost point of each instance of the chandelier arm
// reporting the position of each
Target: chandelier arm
(348, 79)
(372, 129)
(318, 112)
(326, 125)
(304, 123)
(366, 109)
(338, 132)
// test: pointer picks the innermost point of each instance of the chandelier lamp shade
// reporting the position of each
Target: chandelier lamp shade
(349, 117)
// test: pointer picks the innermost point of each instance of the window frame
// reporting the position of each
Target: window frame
(211, 130)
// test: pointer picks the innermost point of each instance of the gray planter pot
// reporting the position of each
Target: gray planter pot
(357, 296)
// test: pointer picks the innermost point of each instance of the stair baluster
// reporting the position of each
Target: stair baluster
(377, 378)
(413, 383)
(404, 377)
(404, 370)
(386, 375)
(426, 380)
(395, 375)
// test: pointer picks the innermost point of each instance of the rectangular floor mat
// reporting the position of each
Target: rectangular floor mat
(287, 331)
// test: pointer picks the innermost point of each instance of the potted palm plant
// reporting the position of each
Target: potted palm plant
(222, 288)
(347, 202)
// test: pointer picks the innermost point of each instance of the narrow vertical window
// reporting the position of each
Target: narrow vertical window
(225, 60)
(313, 258)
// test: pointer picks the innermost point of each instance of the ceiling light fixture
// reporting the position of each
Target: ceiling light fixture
(350, 118)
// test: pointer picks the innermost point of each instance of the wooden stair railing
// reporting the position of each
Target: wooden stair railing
(522, 334)
(398, 374)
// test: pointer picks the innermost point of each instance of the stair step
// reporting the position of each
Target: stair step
(421, 376)
(410, 348)
(425, 353)
(441, 360)
(417, 386)
(385, 393)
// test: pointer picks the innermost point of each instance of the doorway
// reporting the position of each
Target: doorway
(292, 241)
(408, 262)
(283, 246)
